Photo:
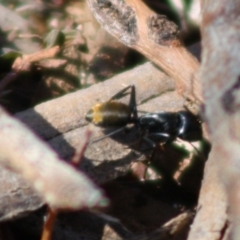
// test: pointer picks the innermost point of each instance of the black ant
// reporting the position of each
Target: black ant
(160, 127)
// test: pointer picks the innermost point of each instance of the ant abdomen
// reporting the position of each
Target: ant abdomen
(109, 114)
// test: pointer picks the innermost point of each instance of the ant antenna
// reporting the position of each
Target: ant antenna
(107, 135)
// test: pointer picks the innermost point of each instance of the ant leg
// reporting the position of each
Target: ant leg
(150, 142)
(132, 101)
(122, 92)
(107, 135)
(164, 138)
(153, 147)
(133, 104)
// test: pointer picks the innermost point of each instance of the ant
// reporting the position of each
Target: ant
(160, 127)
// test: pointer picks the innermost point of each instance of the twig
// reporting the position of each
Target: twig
(23, 64)
(134, 24)
(221, 84)
(56, 181)
(49, 225)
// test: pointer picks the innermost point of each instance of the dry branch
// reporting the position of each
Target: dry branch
(220, 78)
(17, 197)
(134, 24)
(60, 185)
(24, 62)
